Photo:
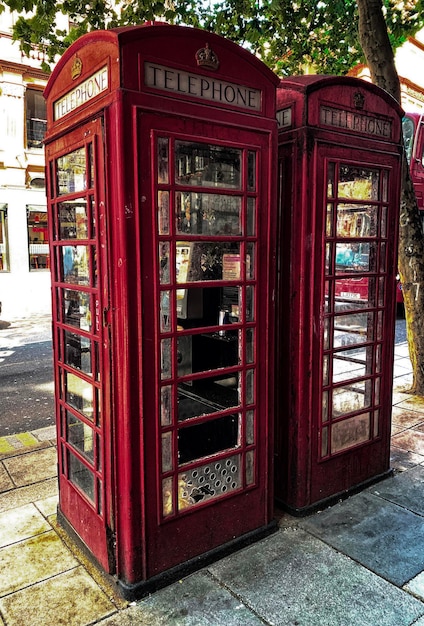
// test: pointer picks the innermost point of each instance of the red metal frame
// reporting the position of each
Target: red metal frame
(221, 118)
(333, 425)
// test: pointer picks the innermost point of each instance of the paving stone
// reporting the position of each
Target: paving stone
(194, 601)
(5, 480)
(402, 460)
(33, 560)
(406, 418)
(379, 534)
(48, 506)
(411, 439)
(416, 586)
(26, 469)
(69, 599)
(21, 523)
(30, 493)
(292, 578)
(405, 489)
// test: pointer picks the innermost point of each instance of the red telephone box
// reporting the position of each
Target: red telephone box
(339, 171)
(161, 202)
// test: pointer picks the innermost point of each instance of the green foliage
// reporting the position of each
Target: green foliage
(292, 37)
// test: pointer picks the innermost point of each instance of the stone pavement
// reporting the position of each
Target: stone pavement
(357, 563)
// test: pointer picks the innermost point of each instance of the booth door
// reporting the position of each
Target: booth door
(357, 319)
(80, 293)
(205, 241)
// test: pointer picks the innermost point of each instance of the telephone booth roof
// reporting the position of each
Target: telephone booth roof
(123, 52)
(304, 93)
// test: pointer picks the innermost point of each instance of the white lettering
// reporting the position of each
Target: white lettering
(89, 89)
(214, 90)
(357, 122)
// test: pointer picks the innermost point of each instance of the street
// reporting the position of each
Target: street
(26, 376)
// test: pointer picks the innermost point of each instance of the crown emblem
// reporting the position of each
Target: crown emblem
(206, 57)
(358, 100)
(76, 68)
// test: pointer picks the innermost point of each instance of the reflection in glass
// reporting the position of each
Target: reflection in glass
(80, 435)
(165, 353)
(166, 406)
(350, 432)
(164, 277)
(352, 363)
(357, 221)
(75, 265)
(207, 165)
(351, 398)
(251, 217)
(250, 427)
(200, 261)
(251, 171)
(166, 452)
(79, 394)
(78, 352)
(207, 214)
(76, 309)
(163, 160)
(73, 220)
(71, 172)
(163, 212)
(165, 317)
(250, 386)
(325, 406)
(167, 496)
(81, 476)
(330, 180)
(329, 220)
(356, 257)
(90, 165)
(353, 329)
(358, 182)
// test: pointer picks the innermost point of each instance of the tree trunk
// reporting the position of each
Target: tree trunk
(380, 60)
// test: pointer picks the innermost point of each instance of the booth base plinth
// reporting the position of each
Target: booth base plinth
(309, 509)
(138, 590)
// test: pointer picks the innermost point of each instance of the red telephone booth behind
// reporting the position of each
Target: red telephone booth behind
(339, 171)
(161, 203)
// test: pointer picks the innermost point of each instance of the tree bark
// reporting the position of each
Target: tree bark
(380, 60)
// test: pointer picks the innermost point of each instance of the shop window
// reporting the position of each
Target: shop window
(36, 118)
(38, 241)
(4, 241)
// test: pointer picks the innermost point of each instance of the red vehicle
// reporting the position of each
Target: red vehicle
(413, 137)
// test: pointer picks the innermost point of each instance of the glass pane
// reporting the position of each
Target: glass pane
(251, 217)
(328, 258)
(353, 329)
(164, 277)
(167, 496)
(163, 212)
(81, 476)
(74, 262)
(90, 165)
(250, 261)
(166, 406)
(324, 442)
(71, 172)
(351, 398)
(207, 165)
(250, 467)
(166, 356)
(213, 480)
(163, 160)
(358, 293)
(356, 257)
(79, 394)
(325, 406)
(330, 180)
(191, 405)
(78, 352)
(207, 214)
(250, 386)
(73, 219)
(250, 304)
(350, 432)
(250, 427)
(250, 345)
(80, 435)
(329, 220)
(76, 309)
(200, 261)
(352, 363)
(208, 395)
(201, 440)
(325, 369)
(222, 350)
(358, 183)
(165, 313)
(205, 304)
(166, 452)
(357, 221)
(251, 171)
